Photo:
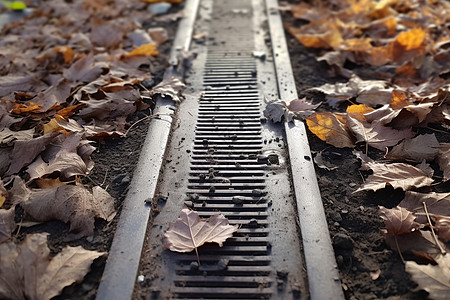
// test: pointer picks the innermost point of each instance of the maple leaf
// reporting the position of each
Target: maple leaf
(331, 128)
(170, 87)
(375, 134)
(66, 203)
(28, 271)
(7, 224)
(432, 278)
(190, 232)
(422, 147)
(397, 175)
(398, 220)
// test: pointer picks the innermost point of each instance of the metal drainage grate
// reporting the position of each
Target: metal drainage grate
(227, 175)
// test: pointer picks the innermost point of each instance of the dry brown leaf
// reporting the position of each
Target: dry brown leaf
(422, 147)
(437, 203)
(14, 83)
(62, 156)
(158, 34)
(397, 175)
(297, 108)
(442, 226)
(368, 92)
(25, 152)
(190, 232)
(33, 274)
(7, 224)
(375, 134)
(108, 34)
(399, 100)
(66, 203)
(419, 242)
(444, 160)
(85, 69)
(170, 87)
(398, 220)
(433, 279)
(331, 128)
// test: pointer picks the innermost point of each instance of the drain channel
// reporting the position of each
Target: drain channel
(225, 158)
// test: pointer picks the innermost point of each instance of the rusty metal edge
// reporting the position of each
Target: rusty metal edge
(323, 275)
(121, 268)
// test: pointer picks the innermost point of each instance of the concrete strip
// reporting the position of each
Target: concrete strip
(323, 275)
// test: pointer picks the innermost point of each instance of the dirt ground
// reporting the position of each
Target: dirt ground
(353, 218)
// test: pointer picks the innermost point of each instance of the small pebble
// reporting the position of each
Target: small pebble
(141, 278)
(193, 266)
(342, 241)
(223, 264)
(352, 184)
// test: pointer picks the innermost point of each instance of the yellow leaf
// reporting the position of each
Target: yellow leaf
(399, 100)
(66, 52)
(2, 200)
(358, 111)
(68, 111)
(156, 1)
(412, 39)
(331, 128)
(144, 50)
(53, 126)
(24, 108)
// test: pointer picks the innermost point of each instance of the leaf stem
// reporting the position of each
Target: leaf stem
(398, 249)
(432, 230)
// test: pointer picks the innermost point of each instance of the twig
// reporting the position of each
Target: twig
(145, 118)
(398, 249)
(432, 230)
(20, 226)
(104, 178)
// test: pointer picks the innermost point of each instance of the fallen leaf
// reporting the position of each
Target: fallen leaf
(25, 151)
(7, 224)
(66, 203)
(190, 232)
(398, 220)
(399, 100)
(432, 278)
(158, 34)
(3, 193)
(426, 168)
(368, 92)
(14, 83)
(358, 111)
(375, 134)
(33, 274)
(26, 108)
(444, 159)
(297, 108)
(397, 175)
(437, 203)
(170, 87)
(275, 111)
(85, 69)
(63, 157)
(418, 241)
(422, 147)
(330, 128)
(105, 33)
(442, 225)
(143, 50)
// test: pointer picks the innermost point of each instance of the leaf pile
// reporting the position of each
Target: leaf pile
(70, 75)
(28, 271)
(405, 45)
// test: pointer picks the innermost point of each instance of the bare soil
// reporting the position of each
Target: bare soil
(353, 218)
